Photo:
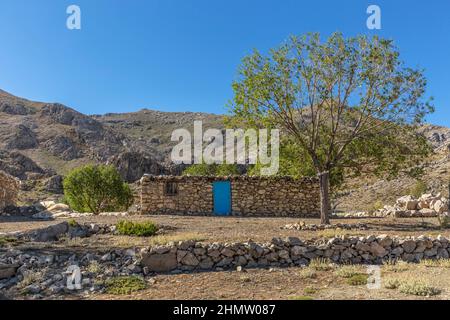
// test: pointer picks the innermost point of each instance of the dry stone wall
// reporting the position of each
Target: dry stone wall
(190, 255)
(250, 196)
(9, 189)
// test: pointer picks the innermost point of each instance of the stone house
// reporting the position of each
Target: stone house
(238, 196)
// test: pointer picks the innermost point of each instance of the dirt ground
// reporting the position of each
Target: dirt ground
(282, 284)
(234, 229)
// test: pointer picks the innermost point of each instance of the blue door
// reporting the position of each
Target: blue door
(222, 198)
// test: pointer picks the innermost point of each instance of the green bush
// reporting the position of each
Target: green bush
(125, 285)
(140, 229)
(358, 280)
(96, 189)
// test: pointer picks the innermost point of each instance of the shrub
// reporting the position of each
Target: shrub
(348, 271)
(307, 273)
(320, 264)
(392, 283)
(417, 288)
(125, 285)
(96, 189)
(418, 189)
(140, 229)
(358, 279)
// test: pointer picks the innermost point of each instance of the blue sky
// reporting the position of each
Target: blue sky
(182, 55)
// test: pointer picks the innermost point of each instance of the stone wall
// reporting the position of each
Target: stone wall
(9, 189)
(250, 196)
(190, 255)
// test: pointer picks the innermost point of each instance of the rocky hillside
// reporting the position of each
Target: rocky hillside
(40, 140)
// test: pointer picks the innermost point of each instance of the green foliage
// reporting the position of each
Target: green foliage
(140, 229)
(125, 285)
(418, 189)
(213, 170)
(96, 189)
(358, 279)
(72, 223)
(5, 241)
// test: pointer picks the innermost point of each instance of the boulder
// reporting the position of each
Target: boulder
(8, 270)
(50, 233)
(160, 262)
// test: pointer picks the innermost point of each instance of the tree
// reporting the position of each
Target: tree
(96, 189)
(349, 104)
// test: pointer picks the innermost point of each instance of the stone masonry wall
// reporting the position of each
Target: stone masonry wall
(250, 196)
(190, 255)
(9, 189)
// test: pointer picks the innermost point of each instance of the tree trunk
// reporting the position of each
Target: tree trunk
(324, 181)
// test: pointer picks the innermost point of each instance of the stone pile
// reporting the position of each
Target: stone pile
(427, 205)
(302, 226)
(59, 230)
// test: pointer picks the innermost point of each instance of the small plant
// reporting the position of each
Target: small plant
(377, 205)
(140, 229)
(395, 266)
(300, 298)
(124, 285)
(94, 267)
(4, 241)
(418, 189)
(418, 288)
(309, 291)
(32, 276)
(321, 264)
(307, 273)
(358, 279)
(392, 283)
(72, 223)
(348, 271)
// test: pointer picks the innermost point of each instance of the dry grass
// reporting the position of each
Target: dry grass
(438, 263)
(165, 239)
(348, 271)
(307, 273)
(321, 264)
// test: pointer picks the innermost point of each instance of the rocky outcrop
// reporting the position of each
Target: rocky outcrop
(54, 184)
(9, 189)
(63, 147)
(19, 165)
(22, 138)
(133, 165)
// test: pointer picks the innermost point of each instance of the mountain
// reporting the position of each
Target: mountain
(57, 138)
